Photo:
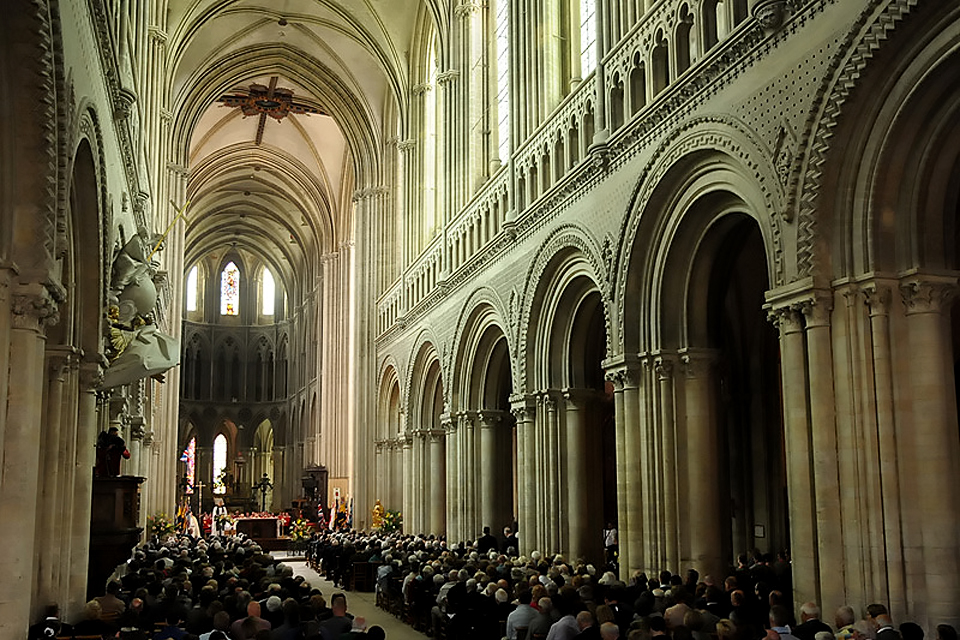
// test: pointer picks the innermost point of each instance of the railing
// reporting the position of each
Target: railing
(637, 69)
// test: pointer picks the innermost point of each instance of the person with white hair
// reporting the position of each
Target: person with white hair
(810, 623)
(609, 631)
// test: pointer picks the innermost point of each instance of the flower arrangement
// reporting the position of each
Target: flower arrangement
(159, 525)
(392, 521)
(300, 530)
(224, 520)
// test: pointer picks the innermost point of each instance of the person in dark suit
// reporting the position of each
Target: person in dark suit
(810, 622)
(510, 546)
(486, 542)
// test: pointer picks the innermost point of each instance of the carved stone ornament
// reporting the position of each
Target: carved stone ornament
(769, 13)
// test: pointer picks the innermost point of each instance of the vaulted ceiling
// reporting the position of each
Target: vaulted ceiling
(281, 188)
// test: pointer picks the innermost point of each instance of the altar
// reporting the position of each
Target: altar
(265, 528)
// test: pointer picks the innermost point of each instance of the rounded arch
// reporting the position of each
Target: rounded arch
(389, 405)
(482, 342)
(425, 346)
(570, 253)
(906, 142)
(427, 390)
(707, 165)
(810, 167)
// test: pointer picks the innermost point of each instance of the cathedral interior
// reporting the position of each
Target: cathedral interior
(686, 266)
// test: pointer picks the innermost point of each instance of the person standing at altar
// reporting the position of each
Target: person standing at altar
(217, 523)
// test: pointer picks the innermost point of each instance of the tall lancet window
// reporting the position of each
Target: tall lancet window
(269, 292)
(190, 457)
(503, 78)
(588, 37)
(219, 463)
(230, 290)
(192, 292)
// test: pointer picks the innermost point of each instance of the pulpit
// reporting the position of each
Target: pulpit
(114, 533)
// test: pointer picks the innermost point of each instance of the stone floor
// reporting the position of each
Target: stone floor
(358, 603)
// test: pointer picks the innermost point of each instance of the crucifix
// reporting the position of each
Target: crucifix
(199, 487)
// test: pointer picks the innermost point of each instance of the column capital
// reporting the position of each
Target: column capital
(577, 399)
(405, 146)
(466, 9)
(62, 357)
(877, 295)
(623, 371)
(436, 435)
(927, 293)
(523, 407)
(816, 308)
(445, 77)
(421, 88)
(490, 418)
(34, 305)
(787, 319)
(697, 363)
(663, 366)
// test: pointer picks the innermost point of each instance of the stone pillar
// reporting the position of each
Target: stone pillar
(21, 454)
(50, 501)
(803, 534)
(930, 445)
(523, 410)
(883, 489)
(702, 464)
(823, 440)
(579, 488)
(453, 480)
(668, 469)
(624, 372)
(438, 485)
(91, 420)
(408, 483)
(552, 533)
(489, 474)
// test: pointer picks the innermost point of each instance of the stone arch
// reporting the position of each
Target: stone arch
(895, 207)
(809, 169)
(425, 344)
(713, 153)
(578, 248)
(483, 309)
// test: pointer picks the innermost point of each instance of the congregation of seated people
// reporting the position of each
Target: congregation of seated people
(460, 592)
(221, 588)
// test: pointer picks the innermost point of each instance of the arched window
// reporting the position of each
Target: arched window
(190, 457)
(431, 156)
(268, 291)
(192, 291)
(588, 37)
(219, 463)
(502, 38)
(230, 290)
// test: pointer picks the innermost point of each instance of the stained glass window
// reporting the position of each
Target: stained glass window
(192, 289)
(190, 454)
(230, 290)
(219, 463)
(269, 292)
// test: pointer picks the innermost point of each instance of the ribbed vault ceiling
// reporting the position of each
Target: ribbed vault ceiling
(282, 190)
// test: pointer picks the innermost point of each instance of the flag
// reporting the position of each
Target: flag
(184, 457)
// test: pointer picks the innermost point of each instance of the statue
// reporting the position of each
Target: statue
(136, 348)
(378, 513)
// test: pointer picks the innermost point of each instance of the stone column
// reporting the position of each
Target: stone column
(453, 481)
(624, 372)
(31, 305)
(930, 445)
(51, 502)
(702, 464)
(523, 410)
(552, 534)
(884, 487)
(578, 496)
(669, 497)
(438, 485)
(91, 419)
(823, 432)
(803, 533)
(489, 464)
